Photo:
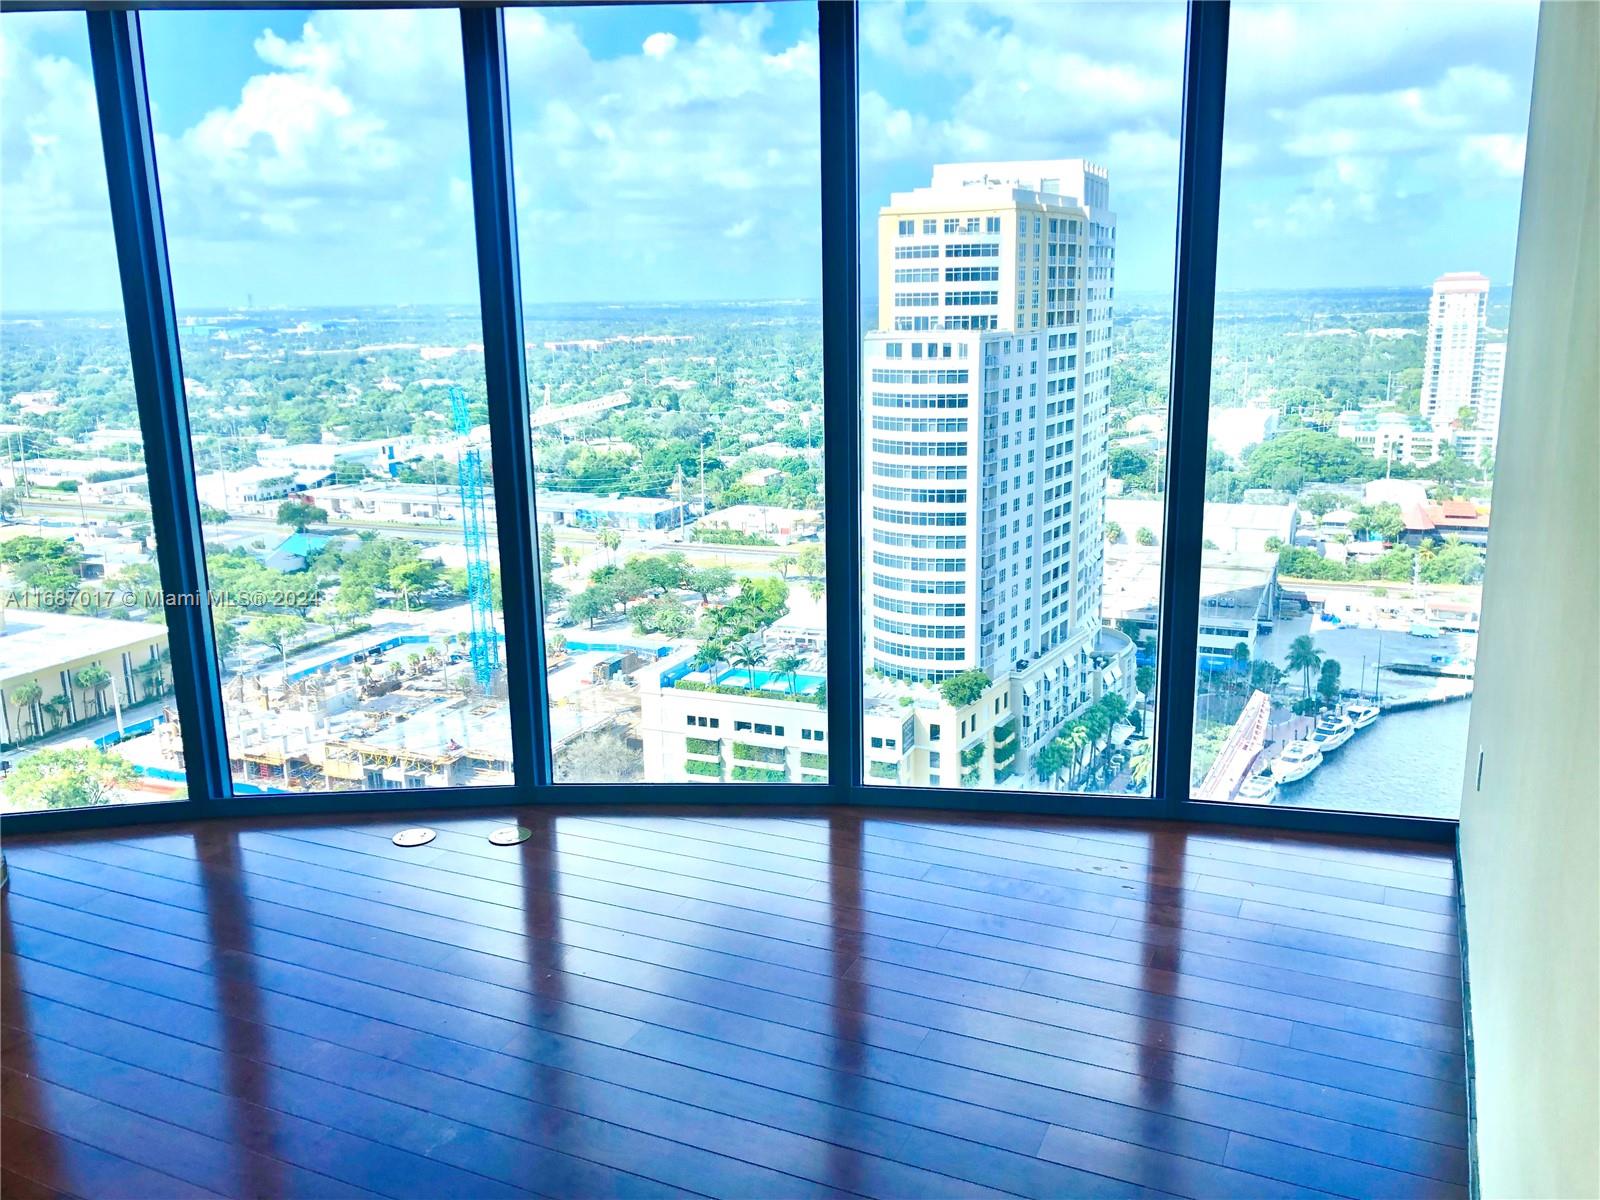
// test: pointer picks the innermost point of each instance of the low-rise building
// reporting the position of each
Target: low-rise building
(256, 489)
(740, 726)
(1233, 430)
(770, 521)
(1401, 492)
(1228, 527)
(1238, 596)
(382, 456)
(52, 649)
(771, 728)
(418, 503)
(1451, 518)
(759, 477)
(52, 472)
(585, 511)
(1395, 437)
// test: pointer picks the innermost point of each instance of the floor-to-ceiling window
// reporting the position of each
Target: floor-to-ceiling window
(314, 175)
(1026, 299)
(1372, 170)
(667, 165)
(86, 704)
(1019, 172)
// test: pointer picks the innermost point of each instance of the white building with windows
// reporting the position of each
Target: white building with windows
(1462, 371)
(986, 385)
(1395, 437)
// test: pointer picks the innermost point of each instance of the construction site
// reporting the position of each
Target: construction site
(400, 710)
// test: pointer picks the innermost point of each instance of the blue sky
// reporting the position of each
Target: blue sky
(669, 153)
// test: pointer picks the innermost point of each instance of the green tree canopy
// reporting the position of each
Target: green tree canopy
(964, 689)
(298, 514)
(68, 777)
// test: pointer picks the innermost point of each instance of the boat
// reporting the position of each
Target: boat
(1299, 759)
(1332, 732)
(1362, 715)
(1257, 789)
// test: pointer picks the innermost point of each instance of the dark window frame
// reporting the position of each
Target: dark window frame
(124, 113)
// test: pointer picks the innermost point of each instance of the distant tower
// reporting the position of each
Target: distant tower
(1462, 369)
(484, 648)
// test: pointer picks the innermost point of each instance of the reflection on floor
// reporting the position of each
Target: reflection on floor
(809, 1004)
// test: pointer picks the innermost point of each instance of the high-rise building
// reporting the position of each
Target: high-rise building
(984, 440)
(1462, 370)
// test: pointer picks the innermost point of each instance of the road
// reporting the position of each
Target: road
(37, 508)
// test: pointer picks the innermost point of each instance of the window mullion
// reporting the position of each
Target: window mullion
(841, 376)
(125, 131)
(506, 376)
(1194, 305)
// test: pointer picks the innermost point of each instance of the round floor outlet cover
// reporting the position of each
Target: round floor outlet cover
(510, 835)
(414, 837)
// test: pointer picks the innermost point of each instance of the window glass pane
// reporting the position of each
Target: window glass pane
(667, 169)
(1371, 177)
(1019, 189)
(86, 712)
(315, 174)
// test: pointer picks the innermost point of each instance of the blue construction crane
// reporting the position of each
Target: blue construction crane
(484, 648)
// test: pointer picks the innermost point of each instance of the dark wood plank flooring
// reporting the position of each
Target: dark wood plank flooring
(835, 1003)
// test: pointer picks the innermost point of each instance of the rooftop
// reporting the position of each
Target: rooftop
(639, 504)
(447, 728)
(31, 641)
(1231, 582)
(1452, 513)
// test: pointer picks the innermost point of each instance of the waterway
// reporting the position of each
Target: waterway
(1410, 763)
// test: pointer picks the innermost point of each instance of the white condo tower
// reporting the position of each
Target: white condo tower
(1462, 369)
(986, 385)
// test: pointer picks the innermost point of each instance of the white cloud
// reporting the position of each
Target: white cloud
(56, 246)
(659, 45)
(331, 173)
(1502, 153)
(660, 157)
(344, 151)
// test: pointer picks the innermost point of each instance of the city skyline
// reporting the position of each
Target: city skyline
(1498, 291)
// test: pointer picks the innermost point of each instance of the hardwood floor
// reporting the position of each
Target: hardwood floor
(841, 1003)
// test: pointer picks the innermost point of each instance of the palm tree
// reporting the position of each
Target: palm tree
(152, 680)
(749, 655)
(610, 539)
(94, 678)
(26, 697)
(1069, 746)
(1077, 740)
(785, 563)
(1305, 658)
(789, 665)
(1241, 657)
(708, 658)
(1140, 764)
(818, 589)
(57, 708)
(720, 620)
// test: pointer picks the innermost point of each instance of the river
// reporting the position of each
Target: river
(1410, 763)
